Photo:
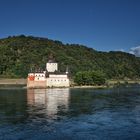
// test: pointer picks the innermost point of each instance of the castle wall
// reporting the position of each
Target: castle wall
(58, 81)
(58, 76)
(36, 84)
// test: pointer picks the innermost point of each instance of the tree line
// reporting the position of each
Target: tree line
(20, 54)
(90, 78)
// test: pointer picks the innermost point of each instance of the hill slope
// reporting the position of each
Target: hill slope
(18, 54)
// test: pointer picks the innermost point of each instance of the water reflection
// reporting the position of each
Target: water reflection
(50, 102)
(75, 114)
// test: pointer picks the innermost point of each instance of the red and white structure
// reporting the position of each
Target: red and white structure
(49, 78)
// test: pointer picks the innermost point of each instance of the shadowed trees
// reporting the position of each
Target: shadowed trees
(19, 54)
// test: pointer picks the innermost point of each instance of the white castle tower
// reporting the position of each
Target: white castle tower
(51, 65)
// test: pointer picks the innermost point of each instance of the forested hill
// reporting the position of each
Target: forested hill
(19, 54)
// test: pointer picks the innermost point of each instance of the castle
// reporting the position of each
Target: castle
(51, 77)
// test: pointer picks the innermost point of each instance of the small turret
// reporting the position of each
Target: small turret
(51, 59)
(67, 70)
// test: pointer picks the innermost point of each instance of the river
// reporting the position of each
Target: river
(70, 114)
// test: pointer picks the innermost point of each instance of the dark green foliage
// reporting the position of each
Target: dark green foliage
(19, 54)
(89, 78)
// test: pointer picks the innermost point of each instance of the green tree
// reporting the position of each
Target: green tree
(89, 78)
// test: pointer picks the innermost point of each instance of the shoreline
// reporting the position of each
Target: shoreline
(4, 81)
(23, 82)
(98, 87)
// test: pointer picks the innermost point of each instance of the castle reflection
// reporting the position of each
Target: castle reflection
(51, 101)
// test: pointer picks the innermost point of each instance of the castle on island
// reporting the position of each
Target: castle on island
(51, 77)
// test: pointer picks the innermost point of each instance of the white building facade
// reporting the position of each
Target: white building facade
(55, 79)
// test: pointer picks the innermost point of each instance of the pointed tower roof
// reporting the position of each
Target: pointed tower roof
(51, 59)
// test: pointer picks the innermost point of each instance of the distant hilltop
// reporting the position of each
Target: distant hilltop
(20, 54)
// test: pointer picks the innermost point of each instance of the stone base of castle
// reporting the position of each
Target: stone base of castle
(36, 84)
(47, 84)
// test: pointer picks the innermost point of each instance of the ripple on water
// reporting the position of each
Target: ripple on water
(70, 114)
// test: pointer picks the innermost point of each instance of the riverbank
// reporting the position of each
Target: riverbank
(109, 83)
(13, 81)
(98, 87)
(4, 83)
(116, 83)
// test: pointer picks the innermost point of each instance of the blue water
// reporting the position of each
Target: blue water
(70, 114)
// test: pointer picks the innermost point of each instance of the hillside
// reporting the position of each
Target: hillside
(19, 54)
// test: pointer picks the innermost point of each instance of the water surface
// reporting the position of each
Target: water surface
(70, 114)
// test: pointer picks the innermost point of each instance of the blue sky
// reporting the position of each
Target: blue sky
(100, 24)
